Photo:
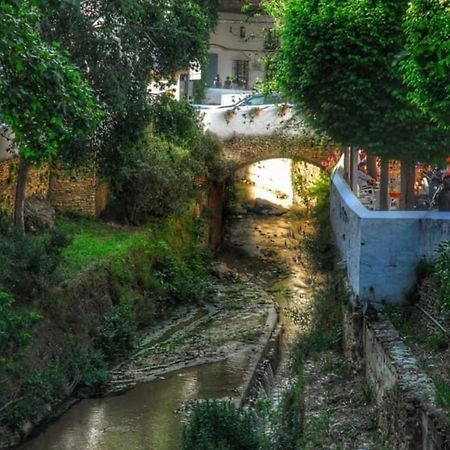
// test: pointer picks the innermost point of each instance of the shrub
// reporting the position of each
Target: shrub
(181, 280)
(15, 328)
(155, 180)
(219, 425)
(86, 368)
(179, 123)
(28, 262)
(442, 273)
(158, 169)
(290, 430)
(39, 388)
(116, 336)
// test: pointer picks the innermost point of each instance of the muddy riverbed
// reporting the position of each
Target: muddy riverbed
(204, 351)
(211, 350)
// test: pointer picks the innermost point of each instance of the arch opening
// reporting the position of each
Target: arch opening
(281, 182)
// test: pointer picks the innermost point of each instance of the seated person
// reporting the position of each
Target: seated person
(364, 179)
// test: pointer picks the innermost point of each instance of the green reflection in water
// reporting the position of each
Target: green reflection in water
(143, 418)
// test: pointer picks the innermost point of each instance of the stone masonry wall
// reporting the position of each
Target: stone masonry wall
(74, 191)
(78, 191)
(304, 175)
(407, 412)
(38, 183)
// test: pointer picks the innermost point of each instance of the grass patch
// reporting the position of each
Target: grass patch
(131, 278)
(250, 337)
(442, 392)
(437, 341)
(94, 241)
(316, 431)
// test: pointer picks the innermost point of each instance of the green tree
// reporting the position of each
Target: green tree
(427, 63)
(156, 177)
(340, 62)
(42, 96)
(122, 46)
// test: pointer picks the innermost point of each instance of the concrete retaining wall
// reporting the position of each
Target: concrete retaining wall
(381, 249)
(407, 413)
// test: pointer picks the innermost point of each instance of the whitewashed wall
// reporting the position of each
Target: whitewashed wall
(268, 121)
(381, 249)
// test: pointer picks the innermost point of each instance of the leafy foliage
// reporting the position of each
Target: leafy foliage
(43, 97)
(219, 425)
(155, 179)
(442, 272)
(178, 122)
(15, 328)
(41, 387)
(340, 62)
(116, 336)
(157, 175)
(427, 64)
(120, 47)
(29, 263)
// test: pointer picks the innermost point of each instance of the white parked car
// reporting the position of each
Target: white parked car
(256, 115)
(247, 103)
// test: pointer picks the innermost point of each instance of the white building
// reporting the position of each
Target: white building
(238, 46)
(237, 49)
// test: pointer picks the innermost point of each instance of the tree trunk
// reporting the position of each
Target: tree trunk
(407, 180)
(354, 169)
(372, 165)
(384, 185)
(19, 205)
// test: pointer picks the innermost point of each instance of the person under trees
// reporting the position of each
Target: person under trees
(340, 61)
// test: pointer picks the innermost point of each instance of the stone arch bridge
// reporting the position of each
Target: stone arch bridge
(265, 132)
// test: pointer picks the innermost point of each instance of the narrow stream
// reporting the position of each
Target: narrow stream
(143, 418)
(147, 416)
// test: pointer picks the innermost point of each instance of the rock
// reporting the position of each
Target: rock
(222, 271)
(39, 214)
(265, 208)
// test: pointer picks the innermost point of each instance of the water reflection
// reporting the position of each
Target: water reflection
(143, 418)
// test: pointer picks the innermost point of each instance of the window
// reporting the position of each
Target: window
(271, 41)
(243, 32)
(240, 72)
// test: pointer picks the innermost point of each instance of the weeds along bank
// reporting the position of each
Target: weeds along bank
(71, 308)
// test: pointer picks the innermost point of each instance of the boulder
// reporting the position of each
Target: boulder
(222, 271)
(39, 214)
